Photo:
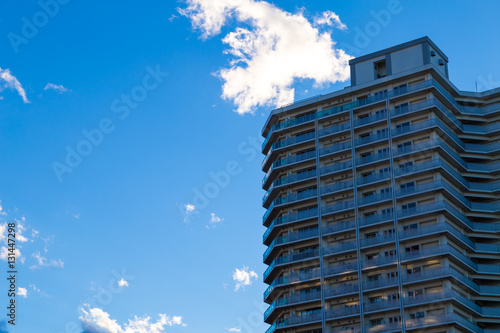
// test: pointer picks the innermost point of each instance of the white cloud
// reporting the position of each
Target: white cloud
(331, 19)
(37, 290)
(22, 292)
(10, 81)
(273, 49)
(1, 208)
(96, 320)
(188, 210)
(234, 329)
(243, 277)
(123, 283)
(43, 262)
(214, 221)
(4, 253)
(57, 88)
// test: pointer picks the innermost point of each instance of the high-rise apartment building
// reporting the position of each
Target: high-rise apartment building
(382, 202)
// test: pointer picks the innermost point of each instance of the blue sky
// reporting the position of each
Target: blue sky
(173, 102)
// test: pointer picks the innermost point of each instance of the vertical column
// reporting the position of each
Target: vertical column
(356, 220)
(395, 210)
(320, 229)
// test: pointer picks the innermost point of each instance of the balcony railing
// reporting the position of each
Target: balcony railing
(290, 198)
(292, 257)
(292, 278)
(339, 166)
(293, 298)
(336, 147)
(291, 237)
(288, 142)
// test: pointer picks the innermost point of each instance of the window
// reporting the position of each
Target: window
(409, 207)
(362, 116)
(415, 293)
(367, 174)
(390, 253)
(310, 312)
(392, 275)
(401, 108)
(387, 211)
(383, 151)
(407, 187)
(414, 270)
(384, 170)
(414, 249)
(375, 299)
(373, 277)
(363, 155)
(362, 100)
(386, 190)
(382, 131)
(392, 297)
(401, 89)
(370, 214)
(413, 226)
(380, 69)
(403, 127)
(371, 235)
(404, 145)
(365, 135)
(381, 94)
(368, 194)
(375, 322)
(417, 315)
(407, 165)
(372, 256)
(380, 113)
(395, 319)
(309, 291)
(389, 232)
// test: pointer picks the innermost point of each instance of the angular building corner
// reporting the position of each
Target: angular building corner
(382, 199)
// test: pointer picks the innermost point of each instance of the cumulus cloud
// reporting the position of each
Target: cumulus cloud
(56, 87)
(7, 80)
(243, 277)
(22, 292)
(271, 48)
(44, 262)
(123, 283)
(96, 320)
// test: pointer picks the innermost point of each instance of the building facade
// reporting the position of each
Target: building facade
(382, 202)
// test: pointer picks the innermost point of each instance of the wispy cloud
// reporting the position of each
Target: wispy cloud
(7, 80)
(95, 320)
(44, 262)
(214, 221)
(243, 277)
(271, 49)
(331, 19)
(234, 329)
(56, 87)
